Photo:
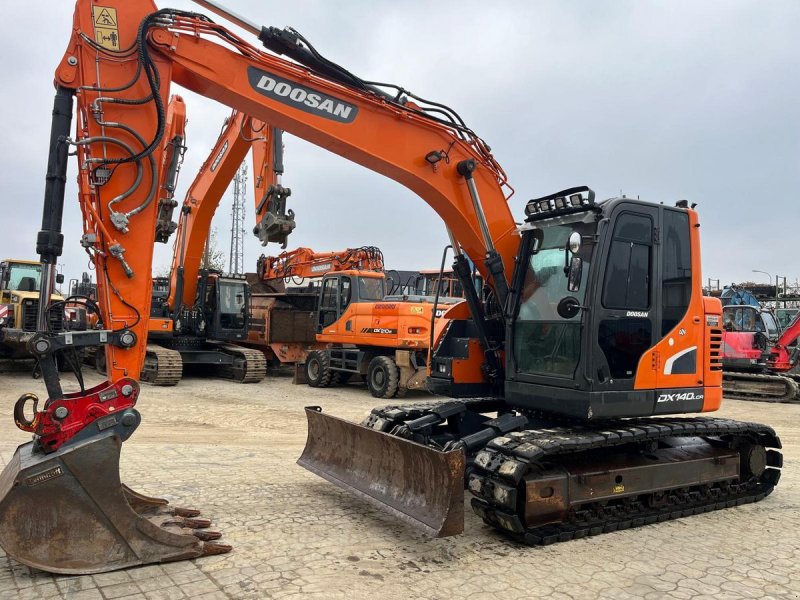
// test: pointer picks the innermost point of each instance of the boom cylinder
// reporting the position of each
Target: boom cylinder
(50, 241)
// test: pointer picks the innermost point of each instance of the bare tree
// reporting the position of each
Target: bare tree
(213, 257)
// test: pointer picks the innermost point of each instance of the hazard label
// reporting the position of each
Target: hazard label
(106, 29)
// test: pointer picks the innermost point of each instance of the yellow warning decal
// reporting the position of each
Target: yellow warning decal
(416, 310)
(106, 29)
(619, 488)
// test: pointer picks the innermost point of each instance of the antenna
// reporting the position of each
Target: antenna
(236, 257)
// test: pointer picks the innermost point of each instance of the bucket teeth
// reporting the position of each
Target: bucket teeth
(74, 495)
(195, 523)
(180, 511)
(210, 549)
(206, 536)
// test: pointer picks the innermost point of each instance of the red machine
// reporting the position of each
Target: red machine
(757, 356)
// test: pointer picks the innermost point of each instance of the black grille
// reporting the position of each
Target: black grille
(715, 338)
(30, 308)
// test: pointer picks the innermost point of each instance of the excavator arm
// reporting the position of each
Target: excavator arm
(303, 263)
(200, 204)
(117, 72)
(782, 357)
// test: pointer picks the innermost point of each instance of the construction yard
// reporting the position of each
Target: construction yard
(230, 450)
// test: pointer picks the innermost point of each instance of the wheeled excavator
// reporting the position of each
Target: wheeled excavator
(595, 322)
(356, 328)
(285, 296)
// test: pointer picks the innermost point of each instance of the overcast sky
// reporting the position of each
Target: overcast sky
(662, 100)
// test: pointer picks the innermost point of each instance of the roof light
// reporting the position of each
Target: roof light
(567, 201)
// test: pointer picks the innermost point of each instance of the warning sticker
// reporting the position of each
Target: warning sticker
(106, 29)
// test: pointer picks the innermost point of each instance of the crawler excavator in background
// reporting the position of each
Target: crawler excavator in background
(757, 356)
(595, 322)
(205, 316)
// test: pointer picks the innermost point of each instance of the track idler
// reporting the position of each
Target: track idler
(67, 511)
(418, 484)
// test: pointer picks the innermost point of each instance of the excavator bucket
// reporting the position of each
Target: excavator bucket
(67, 512)
(420, 485)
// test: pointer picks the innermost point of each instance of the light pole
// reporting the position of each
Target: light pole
(770, 282)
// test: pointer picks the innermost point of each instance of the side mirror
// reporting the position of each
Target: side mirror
(538, 239)
(568, 308)
(60, 278)
(575, 274)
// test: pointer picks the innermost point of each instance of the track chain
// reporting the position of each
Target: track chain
(162, 366)
(497, 470)
(255, 363)
(733, 383)
(500, 467)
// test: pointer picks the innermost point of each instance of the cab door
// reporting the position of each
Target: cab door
(624, 316)
(328, 310)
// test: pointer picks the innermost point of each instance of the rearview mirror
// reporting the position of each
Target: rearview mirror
(59, 278)
(575, 273)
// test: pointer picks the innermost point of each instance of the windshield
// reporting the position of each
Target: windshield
(544, 342)
(25, 278)
(370, 288)
(231, 305)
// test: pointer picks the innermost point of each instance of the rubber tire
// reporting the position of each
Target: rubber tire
(383, 377)
(318, 370)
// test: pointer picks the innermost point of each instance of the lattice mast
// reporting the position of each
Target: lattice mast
(236, 256)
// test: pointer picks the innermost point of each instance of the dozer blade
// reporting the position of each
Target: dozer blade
(67, 512)
(420, 485)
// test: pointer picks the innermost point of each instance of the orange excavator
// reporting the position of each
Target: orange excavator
(595, 323)
(356, 328)
(285, 296)
(205, 316)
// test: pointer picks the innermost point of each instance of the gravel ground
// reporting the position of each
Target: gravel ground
(230, 450)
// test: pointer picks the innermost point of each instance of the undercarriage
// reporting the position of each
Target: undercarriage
(537, 478)
(762, 387)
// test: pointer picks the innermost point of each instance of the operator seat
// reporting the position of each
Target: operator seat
(27, 284)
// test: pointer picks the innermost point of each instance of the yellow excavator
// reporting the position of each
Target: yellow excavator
(592, 341)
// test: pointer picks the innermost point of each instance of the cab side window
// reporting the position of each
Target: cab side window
(627, 283)
(346, 293)
(676, 266)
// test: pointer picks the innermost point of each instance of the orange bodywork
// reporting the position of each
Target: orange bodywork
(201, 202)
(386, 323)
(381, 136)
(304, 263)
(699, 330)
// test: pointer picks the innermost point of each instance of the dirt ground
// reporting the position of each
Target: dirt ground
(230, 450)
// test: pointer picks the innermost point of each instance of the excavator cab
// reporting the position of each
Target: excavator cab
(340, 290)
(225, 307)
(609, 319)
